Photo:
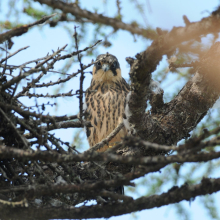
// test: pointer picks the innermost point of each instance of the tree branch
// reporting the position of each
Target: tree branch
(173, 122)
(21, 30)
(174, 195)
(59, 125)
(9, 152)
(99, 18)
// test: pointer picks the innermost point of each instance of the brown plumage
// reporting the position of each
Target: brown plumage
(105, 100)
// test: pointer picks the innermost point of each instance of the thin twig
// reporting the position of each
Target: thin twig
(37, 68)
(25, 142)
(22, 29)
(81, 77)
(11, 55)
(107, 139)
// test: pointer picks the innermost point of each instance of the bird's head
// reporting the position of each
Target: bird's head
(107, 69)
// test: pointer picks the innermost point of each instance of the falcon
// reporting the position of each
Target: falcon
(105, 101)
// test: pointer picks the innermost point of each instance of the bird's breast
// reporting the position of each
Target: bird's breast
(105, 107)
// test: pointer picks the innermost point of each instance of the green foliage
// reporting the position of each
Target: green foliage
(182, 212)
(209, 204)
(37, 14)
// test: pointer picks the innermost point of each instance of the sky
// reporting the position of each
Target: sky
(159, 13)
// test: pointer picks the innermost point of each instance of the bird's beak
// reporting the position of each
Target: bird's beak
(105, 67)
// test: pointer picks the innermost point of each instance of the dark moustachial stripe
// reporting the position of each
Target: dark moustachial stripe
(113, 70)
(115, 65)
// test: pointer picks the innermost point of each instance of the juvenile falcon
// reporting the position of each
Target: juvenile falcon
(105, 100)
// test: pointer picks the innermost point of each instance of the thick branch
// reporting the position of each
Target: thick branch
(59, 125)
(174, 195)
(174, 122)
(99, 18)
(8, 152)
(21, 30)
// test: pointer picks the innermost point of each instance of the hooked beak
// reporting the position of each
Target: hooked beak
(105, 67)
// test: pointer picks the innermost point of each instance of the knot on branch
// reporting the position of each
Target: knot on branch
(138, 56)
(130, 60)
(156, 101)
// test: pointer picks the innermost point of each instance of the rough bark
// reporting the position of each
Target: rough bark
(174, 195)
(171, 121)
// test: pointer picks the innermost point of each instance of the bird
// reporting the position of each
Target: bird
(105, 102)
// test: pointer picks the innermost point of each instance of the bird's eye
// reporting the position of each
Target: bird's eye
(99, 63)
(114, 64)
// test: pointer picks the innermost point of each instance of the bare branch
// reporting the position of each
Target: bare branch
(21, 30)
(81, 77)
(107, 157)
(39, 67)
(99, 18)
(174, 195)
(15, 129)
(11, 55)
(59, 125)
(33, 83)
(49, 96)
